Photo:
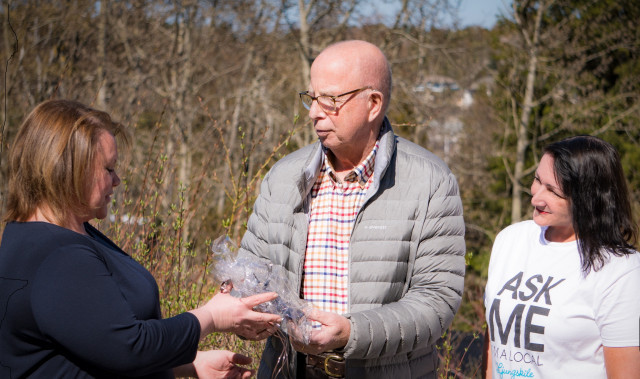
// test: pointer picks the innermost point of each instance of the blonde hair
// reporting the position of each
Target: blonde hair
(51, 160)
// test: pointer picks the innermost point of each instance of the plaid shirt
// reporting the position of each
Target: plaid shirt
(334, 207)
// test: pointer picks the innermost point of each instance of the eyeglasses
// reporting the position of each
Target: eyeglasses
(326, 102)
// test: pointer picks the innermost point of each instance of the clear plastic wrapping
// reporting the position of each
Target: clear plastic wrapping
(251, 276)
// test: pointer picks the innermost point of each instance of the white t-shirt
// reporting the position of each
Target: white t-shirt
(545, 318)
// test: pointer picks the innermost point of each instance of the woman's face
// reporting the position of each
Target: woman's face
(105, 178)
(550, 205)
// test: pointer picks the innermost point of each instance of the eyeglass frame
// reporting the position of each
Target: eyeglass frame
(333, 98)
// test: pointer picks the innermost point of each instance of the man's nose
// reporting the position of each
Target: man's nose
(315, 110)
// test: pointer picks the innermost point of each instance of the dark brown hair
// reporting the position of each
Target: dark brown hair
(590, 173)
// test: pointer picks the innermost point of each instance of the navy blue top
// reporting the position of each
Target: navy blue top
(78, 306)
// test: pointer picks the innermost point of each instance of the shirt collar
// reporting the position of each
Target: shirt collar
(361, 173)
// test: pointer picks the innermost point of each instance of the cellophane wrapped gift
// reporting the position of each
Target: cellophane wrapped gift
(250, 275)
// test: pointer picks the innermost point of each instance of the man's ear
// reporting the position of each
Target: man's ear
(375, 105)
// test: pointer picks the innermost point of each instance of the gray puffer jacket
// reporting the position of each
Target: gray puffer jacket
(406, 257)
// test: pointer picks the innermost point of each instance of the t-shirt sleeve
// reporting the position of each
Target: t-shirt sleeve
(618, 309)
(79, 306)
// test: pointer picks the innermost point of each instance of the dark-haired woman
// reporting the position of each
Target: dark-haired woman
(562, 297)
(73, 304)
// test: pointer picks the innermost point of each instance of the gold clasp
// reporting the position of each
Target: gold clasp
(337, 358)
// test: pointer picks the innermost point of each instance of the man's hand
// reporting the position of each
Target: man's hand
(333, 334)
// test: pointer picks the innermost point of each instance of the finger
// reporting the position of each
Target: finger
(315, 315)
(297, 346)
(240, 359)
(266, 318)
(255, 335)
(254, 300)
(236, 372)
(316, 337)
(272, 328)
(263, 334)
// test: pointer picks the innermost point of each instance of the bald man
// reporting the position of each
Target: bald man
(368, 226)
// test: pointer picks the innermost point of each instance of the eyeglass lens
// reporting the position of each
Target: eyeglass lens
(326, 102)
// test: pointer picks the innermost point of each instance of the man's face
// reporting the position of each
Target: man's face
(346, 131)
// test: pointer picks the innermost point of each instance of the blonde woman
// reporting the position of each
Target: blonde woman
(73, 303)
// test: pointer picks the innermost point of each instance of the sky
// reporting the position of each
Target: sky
(471, 12)
(481, 12)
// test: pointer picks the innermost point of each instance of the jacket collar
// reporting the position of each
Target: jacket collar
(384, 155)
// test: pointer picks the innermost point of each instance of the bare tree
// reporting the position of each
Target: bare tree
(101, 101)
(559, 80)
(531, 36)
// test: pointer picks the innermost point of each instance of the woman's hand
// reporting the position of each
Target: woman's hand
(225, 313)
(221, 364)
(214, 364)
